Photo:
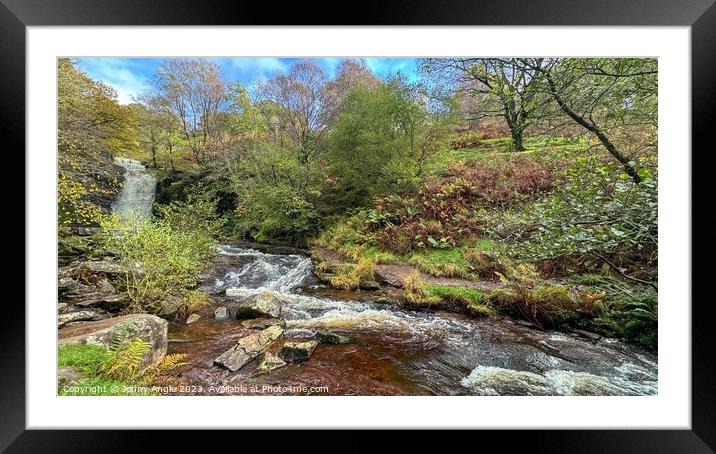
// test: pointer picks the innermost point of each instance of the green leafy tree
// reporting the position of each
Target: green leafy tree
(381, 141)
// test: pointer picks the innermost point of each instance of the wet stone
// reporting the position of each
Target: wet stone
(332, 338)
(297, 351)
(248, 348)
(221, 313)
(263, 304)
(268, 363)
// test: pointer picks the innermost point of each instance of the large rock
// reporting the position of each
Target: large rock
(80, 316)
(248, 348)
(297, 351)
(264, 304)
(147, 327)
(268, 363)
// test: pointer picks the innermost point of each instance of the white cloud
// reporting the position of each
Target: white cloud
(116, 73)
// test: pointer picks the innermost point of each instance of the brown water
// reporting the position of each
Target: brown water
(394, 351)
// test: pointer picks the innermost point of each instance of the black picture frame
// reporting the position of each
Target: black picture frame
(700, 15)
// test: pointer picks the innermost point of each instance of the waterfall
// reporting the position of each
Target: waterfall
(137, 194)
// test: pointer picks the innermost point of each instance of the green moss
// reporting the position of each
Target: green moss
(86, 358)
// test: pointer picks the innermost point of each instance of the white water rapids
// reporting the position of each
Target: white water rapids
(445, 353)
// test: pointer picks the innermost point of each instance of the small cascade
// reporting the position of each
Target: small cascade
(137, 195)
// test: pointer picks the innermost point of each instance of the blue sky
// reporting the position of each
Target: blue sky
(130, 76)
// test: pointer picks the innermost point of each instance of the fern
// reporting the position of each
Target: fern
(120, 336)
(169, 363)
(125, 362)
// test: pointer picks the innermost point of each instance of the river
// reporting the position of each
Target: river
(395, 351)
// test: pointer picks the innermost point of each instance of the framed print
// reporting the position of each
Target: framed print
(433, 222)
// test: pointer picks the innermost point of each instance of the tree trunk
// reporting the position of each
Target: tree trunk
(517, 139)
(611, 148)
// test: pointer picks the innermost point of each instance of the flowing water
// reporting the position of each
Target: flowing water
(137, 194)
(395, 351)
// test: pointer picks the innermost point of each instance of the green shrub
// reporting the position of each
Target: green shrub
(630, 312)
(196, 213)
(159, 260)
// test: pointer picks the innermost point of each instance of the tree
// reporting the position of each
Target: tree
(352, 73)
(299, 97)
(505, 87)
(193, 93)
(88, 113)
(381, 140)
(604, 95)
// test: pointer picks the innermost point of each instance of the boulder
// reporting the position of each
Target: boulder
(331, 338)
(147, 327)
(192, 318)
(221, 313)
(66, 375)
(384, 275)
(262, 323)
(264, 304)
(297, 351)
(248, 348)
(268, 363)
(80, 316)
(170, 306)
